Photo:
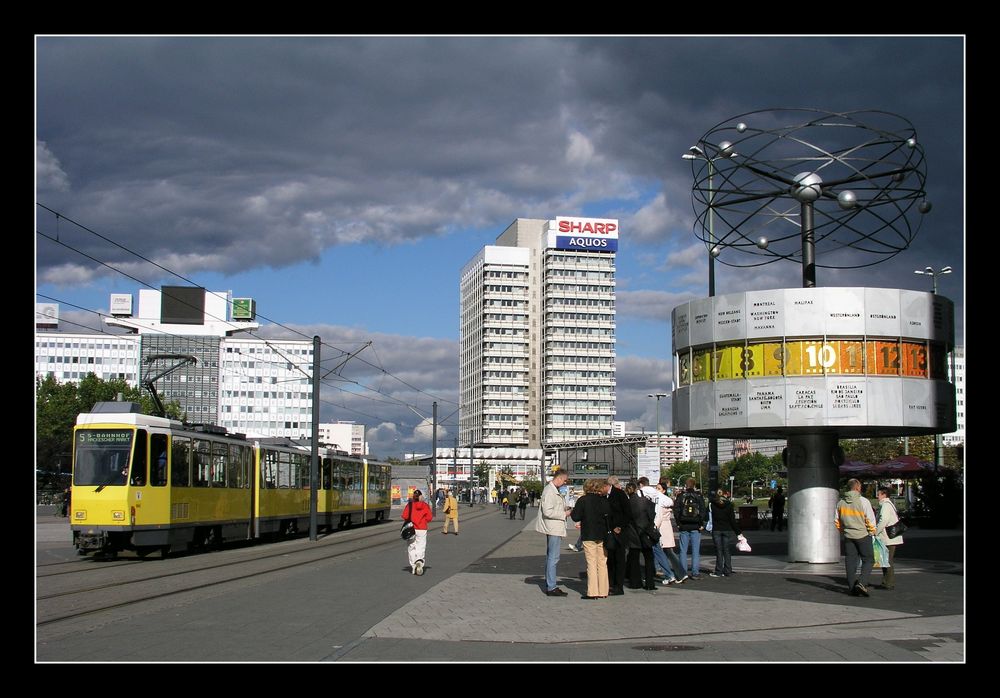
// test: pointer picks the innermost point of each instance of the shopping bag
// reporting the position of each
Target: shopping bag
(881, 553)
(742, 544)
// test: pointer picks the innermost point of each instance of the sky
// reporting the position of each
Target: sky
(343, 182)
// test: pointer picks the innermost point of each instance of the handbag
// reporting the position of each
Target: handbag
(708, 526)
(408, 530)
(897, 529)
(742, 544)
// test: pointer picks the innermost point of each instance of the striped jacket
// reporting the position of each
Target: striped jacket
(855, 517)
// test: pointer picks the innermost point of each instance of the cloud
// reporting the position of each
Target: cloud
(651, 305)
(48, 170)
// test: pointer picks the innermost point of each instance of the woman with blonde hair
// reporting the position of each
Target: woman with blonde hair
(594, 514)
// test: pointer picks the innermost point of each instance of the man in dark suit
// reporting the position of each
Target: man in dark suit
(620, 518)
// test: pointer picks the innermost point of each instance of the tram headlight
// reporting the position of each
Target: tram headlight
(118, 515)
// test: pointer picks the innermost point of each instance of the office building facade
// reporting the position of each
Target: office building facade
(537, 350)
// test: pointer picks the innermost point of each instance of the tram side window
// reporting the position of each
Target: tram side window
(269, 470)
(138, 478)
(180, 462)
(305, 464)
(201, 462)
(220, 462)
(326, 471)
(234, 476)
(158, 464)
(284, 470)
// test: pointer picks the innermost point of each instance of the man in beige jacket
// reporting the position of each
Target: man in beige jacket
(552, 522)
(450, 511)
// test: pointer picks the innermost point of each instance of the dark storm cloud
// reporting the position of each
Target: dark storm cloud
(230, 153)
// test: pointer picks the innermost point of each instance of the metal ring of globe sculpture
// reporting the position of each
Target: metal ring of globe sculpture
(846, 183)
(808, 364)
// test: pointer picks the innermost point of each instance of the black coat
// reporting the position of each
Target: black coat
(643, 511)
(724, 516)
(593, 512)
(620, 513)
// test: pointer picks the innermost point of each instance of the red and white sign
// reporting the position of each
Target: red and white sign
(572, 225)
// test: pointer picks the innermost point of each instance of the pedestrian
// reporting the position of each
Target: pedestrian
(552, 522)
(450, 512)
(593, 512)
(522, 503)
(420, 514)
(640, 535)
(505, 501)
(620, 519)
(65, 501)
(856, 520)
(724, 531)
(887, 516)
(777, 504)
(512, 506)
(692, 515)
(664, 554)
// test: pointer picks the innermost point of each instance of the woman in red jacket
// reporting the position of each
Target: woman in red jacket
(420, 514)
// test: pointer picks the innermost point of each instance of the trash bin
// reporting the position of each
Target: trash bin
(748, 517)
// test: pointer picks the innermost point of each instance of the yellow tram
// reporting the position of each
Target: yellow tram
(148, 483)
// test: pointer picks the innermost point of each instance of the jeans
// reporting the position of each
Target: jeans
(660, 555)
(691, 539)
(551, 560)
(853, 549)
(723, 552)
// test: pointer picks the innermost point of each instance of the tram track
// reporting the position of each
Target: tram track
(67, 604)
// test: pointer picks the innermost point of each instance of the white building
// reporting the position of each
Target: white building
(265, 387)
(258, 387)
(348, 436)
(958, 436)
(70, 357)
(537, 357)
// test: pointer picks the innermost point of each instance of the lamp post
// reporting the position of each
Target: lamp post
(929, 271)
(659, 453)
(696, 153)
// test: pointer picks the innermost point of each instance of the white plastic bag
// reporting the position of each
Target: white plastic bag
(742, 544)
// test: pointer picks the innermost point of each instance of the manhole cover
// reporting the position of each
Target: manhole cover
(666, 648)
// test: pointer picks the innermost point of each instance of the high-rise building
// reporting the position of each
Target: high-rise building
(957, 437)
(537, 349)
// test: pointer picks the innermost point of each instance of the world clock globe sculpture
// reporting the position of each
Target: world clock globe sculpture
(811, 365)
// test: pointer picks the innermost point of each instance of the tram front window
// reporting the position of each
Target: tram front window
(102, 456)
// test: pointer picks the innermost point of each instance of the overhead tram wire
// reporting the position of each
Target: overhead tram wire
(190, 281)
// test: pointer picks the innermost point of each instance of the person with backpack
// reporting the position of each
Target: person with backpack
(692, 514)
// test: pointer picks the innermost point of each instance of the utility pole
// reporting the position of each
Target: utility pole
(434, 460)
(314, 461)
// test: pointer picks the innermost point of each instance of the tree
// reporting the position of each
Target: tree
(679, 472)
(750, 467)
(482, 473)
(873, 451)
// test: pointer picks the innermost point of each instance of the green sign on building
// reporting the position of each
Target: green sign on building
(244, 309)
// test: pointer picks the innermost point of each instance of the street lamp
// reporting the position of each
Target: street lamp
(659, 453)
(696, 153)
(929, 271)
